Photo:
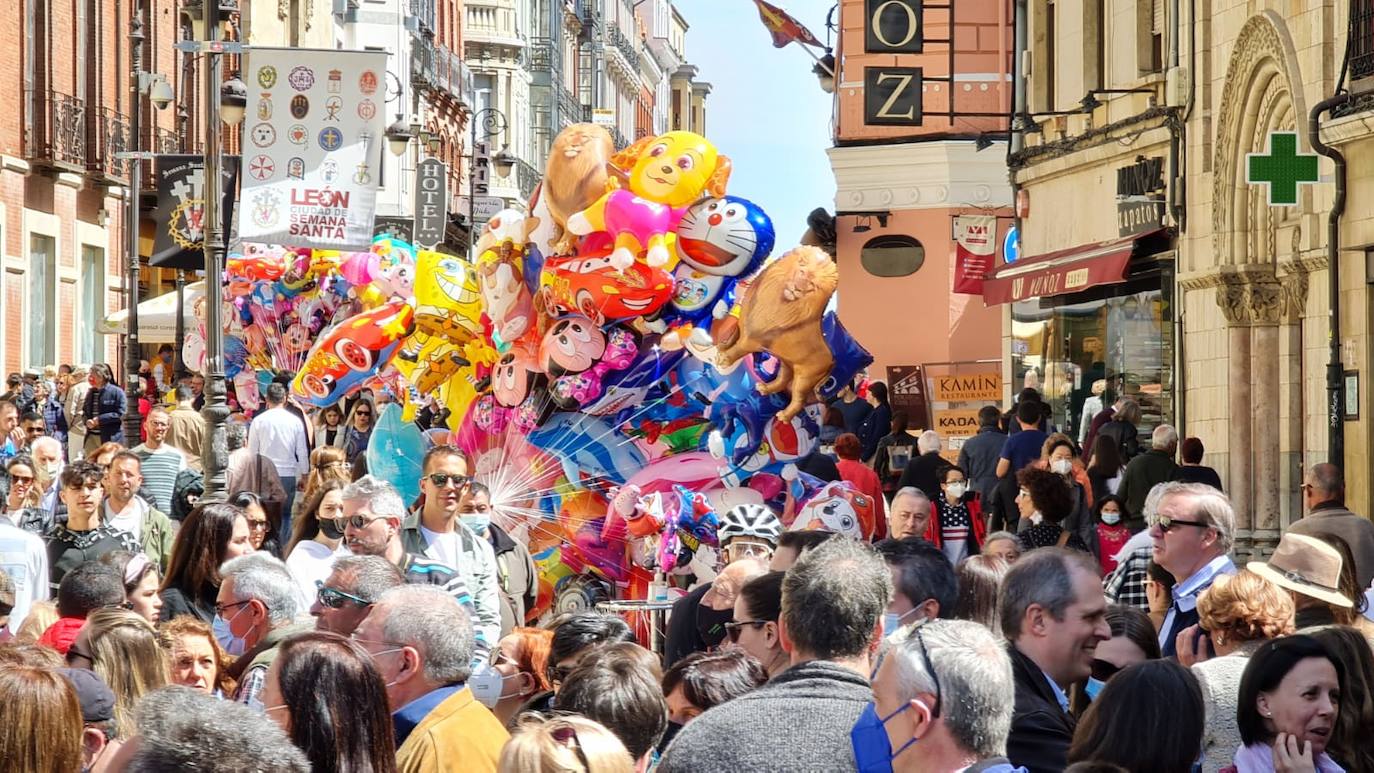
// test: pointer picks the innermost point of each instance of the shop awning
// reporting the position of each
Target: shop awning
(157, 317)
(1062, 271)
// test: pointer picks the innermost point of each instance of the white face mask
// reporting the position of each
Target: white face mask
(956, 490)
(1061, 466)
(1111, 517)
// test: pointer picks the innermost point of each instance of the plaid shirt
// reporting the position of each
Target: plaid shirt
(1126, 585)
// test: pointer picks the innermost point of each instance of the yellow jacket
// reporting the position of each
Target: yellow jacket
(460, 734)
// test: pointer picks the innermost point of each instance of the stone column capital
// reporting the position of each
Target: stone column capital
(1266, 302)
(1232, 299)
(1294, 297)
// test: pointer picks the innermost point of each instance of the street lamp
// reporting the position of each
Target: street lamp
(824, 69)
(492, 122)
(234, 96)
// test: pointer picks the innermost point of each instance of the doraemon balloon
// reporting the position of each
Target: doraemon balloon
(719, 241)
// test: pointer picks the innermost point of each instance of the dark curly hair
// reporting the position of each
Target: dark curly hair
(1049, 492)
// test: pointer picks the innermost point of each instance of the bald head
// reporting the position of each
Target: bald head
(725, 589)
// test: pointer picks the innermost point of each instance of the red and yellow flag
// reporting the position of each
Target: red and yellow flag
(783, 27)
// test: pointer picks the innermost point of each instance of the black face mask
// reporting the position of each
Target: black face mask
(331, 529)
(711, 624)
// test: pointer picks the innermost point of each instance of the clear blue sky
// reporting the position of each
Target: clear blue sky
(766, 109)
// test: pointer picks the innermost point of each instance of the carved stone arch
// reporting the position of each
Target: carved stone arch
(1259, 97)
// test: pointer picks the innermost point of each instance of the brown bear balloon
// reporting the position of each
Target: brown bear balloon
(781, 314)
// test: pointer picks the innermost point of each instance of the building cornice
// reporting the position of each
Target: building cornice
(919, 175)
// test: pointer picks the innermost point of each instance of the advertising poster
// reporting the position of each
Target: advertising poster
(975, 240)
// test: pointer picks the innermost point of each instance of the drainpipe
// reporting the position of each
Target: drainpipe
(1335, 409)
(1015, 140)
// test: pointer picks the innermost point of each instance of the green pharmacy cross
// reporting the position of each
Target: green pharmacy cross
(1283, 169)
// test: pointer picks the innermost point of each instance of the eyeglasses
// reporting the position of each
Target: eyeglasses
(442, 479)
(335, 598)
(558, 674)
(733, 627)
(930, 668)
(388, 646)
(567, 735)
(361, 521)
(737, 549)
(1167, 524)
(1103, 670)
(220, 609)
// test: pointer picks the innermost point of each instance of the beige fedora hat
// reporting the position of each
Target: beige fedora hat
(1305, 565)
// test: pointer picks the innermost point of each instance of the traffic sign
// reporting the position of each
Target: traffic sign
(484, 208)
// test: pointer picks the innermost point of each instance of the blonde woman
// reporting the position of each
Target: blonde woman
(569, 744)
(1239, 613)
(74, 407)
(122, 648)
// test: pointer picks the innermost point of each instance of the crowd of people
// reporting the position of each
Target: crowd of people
(1032, 607)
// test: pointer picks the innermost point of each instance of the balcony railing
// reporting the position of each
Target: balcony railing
(618, 138)
(542, 55)
(625, 46)
(569, 106)
(422, 11)
(436, 68)
(1361, 40)
(168, 141)
(526, 178)
(107, 135)
(56, 130)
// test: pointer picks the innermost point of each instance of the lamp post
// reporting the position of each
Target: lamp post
(492, 123)
(133, 420)
(216, 410)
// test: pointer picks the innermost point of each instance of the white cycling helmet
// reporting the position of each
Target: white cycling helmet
(749, 520)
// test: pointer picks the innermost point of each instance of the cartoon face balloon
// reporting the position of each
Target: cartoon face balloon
(837, 508)
(728, 236)
(571, 345)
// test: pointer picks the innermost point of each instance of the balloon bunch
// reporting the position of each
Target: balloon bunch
(622, 364)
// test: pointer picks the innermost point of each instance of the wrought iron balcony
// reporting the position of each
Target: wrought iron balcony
(570, 107)
(618, 138)
(1360, 43)
(423, 16)
(168, 141)
(543, 55)
(526, 178)
(435, 68)
(107, 135)
(625, 46)
(55, 133)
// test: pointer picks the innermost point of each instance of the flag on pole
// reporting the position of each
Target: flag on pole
(783, 27)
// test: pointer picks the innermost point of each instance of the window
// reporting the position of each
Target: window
(42, 282)
(92, 302)
(892, 255)
(484, 85)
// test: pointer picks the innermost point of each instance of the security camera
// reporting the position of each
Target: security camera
(161, 94)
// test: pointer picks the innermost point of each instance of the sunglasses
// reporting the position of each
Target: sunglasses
(334, 598)
(21, 479)
(567, 735)
(257, 525)
(361, 521)
(442, 479)
(364, 414)
(733, 627)
(1167, 524)
(1103, 670)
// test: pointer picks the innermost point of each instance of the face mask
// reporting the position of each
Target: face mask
(892, 621)
(330, 528)
(487, 685)
(50, 470)
(1111, 517)
(478, 522)
(711, 624)
(234, 645)
(1093, 687)
(956, 490)
(1061, 466)
(872, 749)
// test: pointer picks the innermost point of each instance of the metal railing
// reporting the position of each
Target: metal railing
(619, 139)
(625, 46)
(56, 130)
(169, 141)
(107, 135)
(1361, 40)
(434, 67)
(422, 11)
(526, 178)
(542, 54)
(568, 105)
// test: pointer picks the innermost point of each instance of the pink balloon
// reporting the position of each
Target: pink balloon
(696, 471)
(359, 268)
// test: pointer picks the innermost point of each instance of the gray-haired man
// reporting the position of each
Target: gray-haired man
(948, 687)
(373, 516)
(909, 514)
(255, 611)
(354, 585)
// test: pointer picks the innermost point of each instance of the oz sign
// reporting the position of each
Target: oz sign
(431, 202)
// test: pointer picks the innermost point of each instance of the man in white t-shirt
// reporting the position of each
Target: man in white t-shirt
(279, 435)
(436, 531)
(24, 559)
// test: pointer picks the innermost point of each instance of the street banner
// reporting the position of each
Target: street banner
(312, 146)
(975, 240)
(180, 238)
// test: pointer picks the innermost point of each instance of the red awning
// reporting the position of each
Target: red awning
(1062, 271)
